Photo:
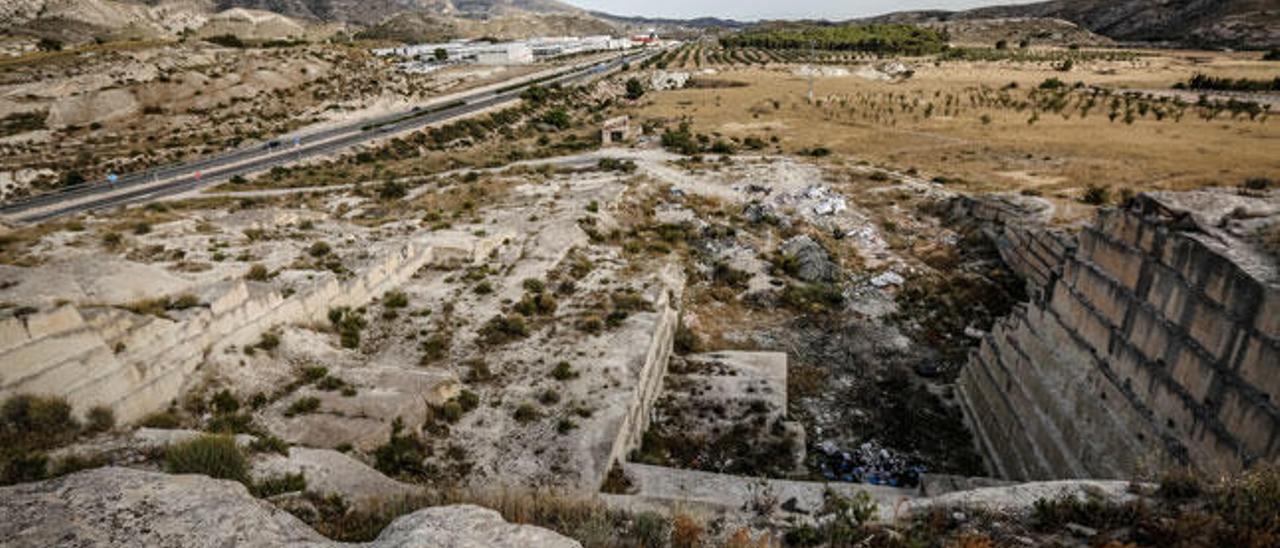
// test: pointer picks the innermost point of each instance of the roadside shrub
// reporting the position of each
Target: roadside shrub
(215, 456)
(635, 89)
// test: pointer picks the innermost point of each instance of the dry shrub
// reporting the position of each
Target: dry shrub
(742, 538)
(686, 532)
(972, 540)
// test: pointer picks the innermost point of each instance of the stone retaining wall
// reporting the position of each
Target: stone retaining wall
(651, 371)
(1155, 343)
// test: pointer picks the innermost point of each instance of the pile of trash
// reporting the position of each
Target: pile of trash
(869, 463)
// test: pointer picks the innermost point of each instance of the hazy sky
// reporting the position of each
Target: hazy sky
(748, 10)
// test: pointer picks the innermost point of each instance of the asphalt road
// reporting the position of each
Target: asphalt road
(168, 180)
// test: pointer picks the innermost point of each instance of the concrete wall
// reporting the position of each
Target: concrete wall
(138, 365)
(1155, 342)
(651, 372)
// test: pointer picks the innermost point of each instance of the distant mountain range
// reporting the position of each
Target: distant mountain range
(1202, 23)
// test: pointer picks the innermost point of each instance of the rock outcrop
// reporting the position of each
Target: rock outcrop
(123, 507)
(1155, 342)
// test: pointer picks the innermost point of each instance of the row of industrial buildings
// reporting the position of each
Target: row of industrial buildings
(428, 57)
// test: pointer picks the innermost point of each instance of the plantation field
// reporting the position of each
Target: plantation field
(1003, 124)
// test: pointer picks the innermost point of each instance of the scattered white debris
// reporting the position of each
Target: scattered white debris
(887, 279)
(663, 80)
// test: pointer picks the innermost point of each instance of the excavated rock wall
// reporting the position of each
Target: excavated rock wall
(1018, 226)
(1156, 342)
(140, 368)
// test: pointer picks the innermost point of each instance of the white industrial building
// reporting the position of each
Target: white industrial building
(503, 53)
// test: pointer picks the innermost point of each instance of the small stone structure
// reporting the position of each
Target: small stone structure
(617, 130)
(1155, 342)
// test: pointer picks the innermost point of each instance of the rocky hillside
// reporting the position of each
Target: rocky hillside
(409, 20)
(1220, 23)
(372, 12)
(84, 20)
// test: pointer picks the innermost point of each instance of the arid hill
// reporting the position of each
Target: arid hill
(1218, 23)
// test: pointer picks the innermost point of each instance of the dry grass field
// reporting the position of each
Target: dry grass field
(967, 121)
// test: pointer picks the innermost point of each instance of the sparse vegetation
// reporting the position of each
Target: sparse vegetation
(216, 456)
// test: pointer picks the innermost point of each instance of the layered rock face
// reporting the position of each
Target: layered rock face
(1155, 342)
(123, 507)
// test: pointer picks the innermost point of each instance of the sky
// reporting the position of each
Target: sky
(750, 10)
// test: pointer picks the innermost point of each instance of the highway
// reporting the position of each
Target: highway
(174, 179)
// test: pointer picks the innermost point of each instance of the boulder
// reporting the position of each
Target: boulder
(124, 507)
(813, 262)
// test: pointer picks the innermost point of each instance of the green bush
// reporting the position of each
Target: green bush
(24, 467)
(503, 329)
(303, 406)
(1096, 195)
(257, 273)
(270, 444)
(277, 485)
(635, 89)
(563, 372)
(525, 413)
(100, 419)
(395, 299)
(215, 456)
(686, 341)
(468, 400)
(36, 422)
(403, 456)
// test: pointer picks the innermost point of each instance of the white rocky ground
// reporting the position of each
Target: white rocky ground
(123, 507)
